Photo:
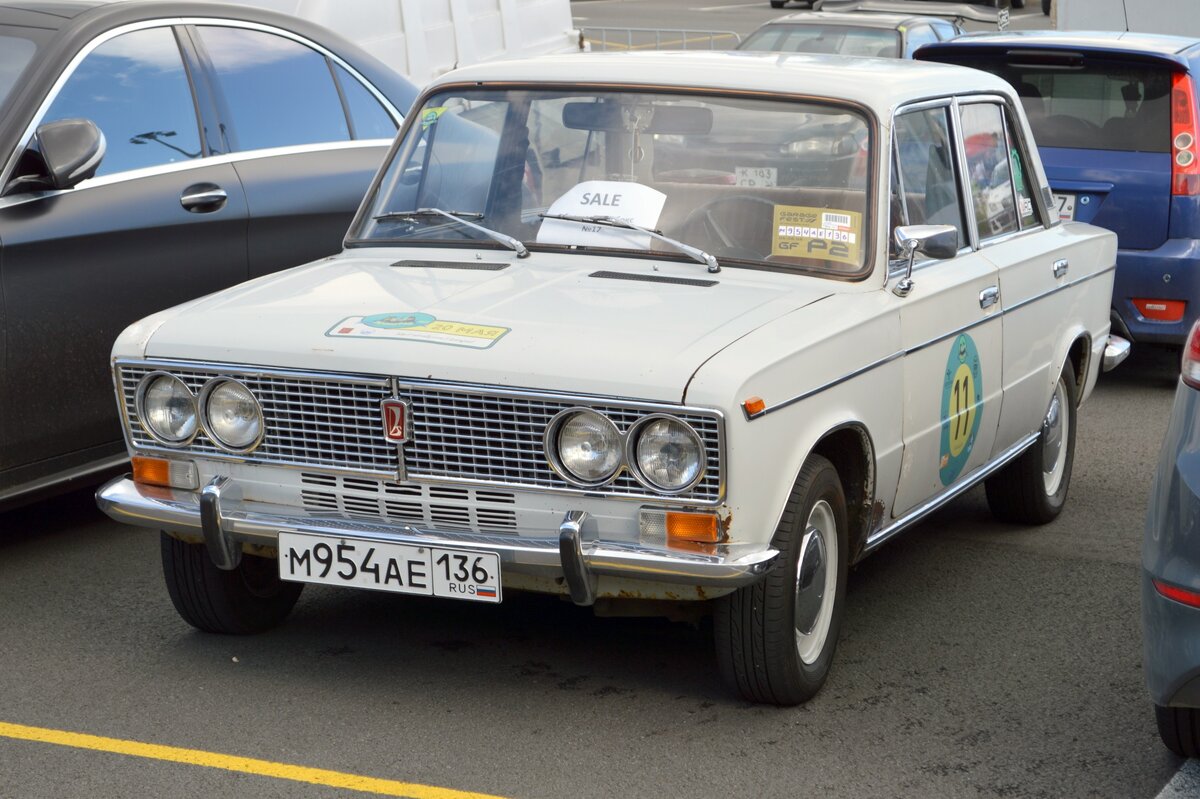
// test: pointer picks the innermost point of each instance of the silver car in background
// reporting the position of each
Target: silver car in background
(1171, 569)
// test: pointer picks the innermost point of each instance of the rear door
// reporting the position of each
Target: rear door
(307, 134)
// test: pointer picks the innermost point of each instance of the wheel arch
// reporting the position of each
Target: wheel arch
(851, 450)
(1079, 355)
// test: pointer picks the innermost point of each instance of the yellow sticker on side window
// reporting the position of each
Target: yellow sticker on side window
(828, 234)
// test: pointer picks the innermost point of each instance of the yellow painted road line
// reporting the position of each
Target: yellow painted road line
(246, 765)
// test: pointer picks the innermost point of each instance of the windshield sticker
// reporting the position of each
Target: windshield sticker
(410, 326)
(962, 406)
(753, 177)
(828, 234)
(431, 115)
(628, 202)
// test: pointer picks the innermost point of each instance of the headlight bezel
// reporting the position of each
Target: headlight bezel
(550, 446)
(202, 406)
(633, 438)
(139, 402)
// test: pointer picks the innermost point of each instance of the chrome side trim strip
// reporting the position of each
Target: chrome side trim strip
(912, 350)
(921, 511)
(65, 476)
(170, 22)
(825, 386)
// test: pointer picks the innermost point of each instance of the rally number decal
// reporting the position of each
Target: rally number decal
(962, 406)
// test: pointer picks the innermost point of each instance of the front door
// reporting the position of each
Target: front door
(949, 322)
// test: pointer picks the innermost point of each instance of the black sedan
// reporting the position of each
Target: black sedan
(151, 153)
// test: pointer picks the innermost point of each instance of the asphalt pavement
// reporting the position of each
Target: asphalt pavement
(977, 659)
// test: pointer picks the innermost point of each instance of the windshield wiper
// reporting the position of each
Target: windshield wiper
(460, 217)
(695, 252)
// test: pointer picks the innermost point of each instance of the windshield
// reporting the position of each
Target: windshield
(746, 180)
(837, 39)
(16, 51)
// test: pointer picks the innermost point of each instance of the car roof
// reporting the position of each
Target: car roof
(50, 15)
(1110, 41)
(880, 84)
(860, 20)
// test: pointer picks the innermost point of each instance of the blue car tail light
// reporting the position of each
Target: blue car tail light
(1190, 371)
(1185, 166)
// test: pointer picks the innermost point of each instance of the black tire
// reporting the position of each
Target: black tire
(1179, 728)
(758, 647)
(778, 3)
(248, 599)
(1018, 493)
(1046, 7)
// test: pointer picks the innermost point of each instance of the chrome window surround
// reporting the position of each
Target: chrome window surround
(420, 459)
(166, 22)
(954, 103)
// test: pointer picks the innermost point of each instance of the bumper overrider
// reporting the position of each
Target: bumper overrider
(226, 522)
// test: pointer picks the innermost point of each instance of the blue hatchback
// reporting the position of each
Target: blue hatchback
(1115, 119)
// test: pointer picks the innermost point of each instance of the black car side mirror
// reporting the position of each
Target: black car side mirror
(71, 149)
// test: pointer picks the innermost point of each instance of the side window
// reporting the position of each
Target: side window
(275, 91)
(135, 89)
(944, 30)
(1022, 179)
(369, 119)
(917, 36)
(989, 169)
(925, 164)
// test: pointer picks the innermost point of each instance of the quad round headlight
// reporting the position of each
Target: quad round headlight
(232, 416)
(167, 408)
(668, 454)
(584, 447)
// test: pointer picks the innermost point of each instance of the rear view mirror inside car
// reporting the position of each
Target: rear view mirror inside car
(647, 118)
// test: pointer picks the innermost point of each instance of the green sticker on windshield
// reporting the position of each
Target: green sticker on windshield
(431, 115)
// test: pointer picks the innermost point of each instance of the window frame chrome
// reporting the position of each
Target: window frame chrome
(174, 22)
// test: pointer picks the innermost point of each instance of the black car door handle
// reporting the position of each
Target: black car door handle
(203, 198)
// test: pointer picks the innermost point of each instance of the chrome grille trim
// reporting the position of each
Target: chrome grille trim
(445, 508)
(451, 420)
(330, 421)
(337, 427)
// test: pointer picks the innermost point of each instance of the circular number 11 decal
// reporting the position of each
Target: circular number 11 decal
(962, 404)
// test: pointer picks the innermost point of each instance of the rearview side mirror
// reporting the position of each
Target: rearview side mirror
(935, 241)
(71, 149)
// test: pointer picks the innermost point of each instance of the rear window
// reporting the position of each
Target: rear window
(838, 39)
(1096, 107)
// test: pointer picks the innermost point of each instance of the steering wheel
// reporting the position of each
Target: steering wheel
(729, 226)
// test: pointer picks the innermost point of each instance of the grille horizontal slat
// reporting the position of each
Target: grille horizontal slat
(458, 432)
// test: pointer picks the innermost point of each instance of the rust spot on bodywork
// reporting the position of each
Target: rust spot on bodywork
(700, 592)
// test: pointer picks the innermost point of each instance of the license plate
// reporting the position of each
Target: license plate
(1064, 206)
(400, 568)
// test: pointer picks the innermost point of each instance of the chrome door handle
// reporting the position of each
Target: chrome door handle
(989, 297)
(1060, 267)
(203, 198)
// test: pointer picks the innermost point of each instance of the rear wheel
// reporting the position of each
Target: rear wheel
(1179, 728)
(248, 599)
(1033, 488)
(775, 639)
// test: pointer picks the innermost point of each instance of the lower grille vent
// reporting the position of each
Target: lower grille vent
(448, 508)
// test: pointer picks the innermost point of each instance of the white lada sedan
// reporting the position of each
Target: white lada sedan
(670, 327)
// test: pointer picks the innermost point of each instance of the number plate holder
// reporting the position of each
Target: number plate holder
(385, 566)
(1064, 206)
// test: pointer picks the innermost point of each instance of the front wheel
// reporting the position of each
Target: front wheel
(1033, 488)
(248, 599)
(1179, 729)
(775, 639)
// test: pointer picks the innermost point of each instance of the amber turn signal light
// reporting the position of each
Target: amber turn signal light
(697, 527)
(162, 472)
(754, 405)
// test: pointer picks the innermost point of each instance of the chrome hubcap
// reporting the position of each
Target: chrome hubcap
(816, 582)
(1054, 429)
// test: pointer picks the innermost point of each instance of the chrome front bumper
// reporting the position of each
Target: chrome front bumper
(225, 521)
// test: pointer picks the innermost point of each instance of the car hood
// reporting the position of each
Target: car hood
(622, 327)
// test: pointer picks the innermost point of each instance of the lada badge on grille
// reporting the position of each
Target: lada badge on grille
(395, 420)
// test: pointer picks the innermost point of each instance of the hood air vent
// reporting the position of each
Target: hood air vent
(477, 266)
(641, 278)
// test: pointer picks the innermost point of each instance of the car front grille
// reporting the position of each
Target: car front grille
(328, 421)
(459, 433)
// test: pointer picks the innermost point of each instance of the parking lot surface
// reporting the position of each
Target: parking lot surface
(976, 660)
